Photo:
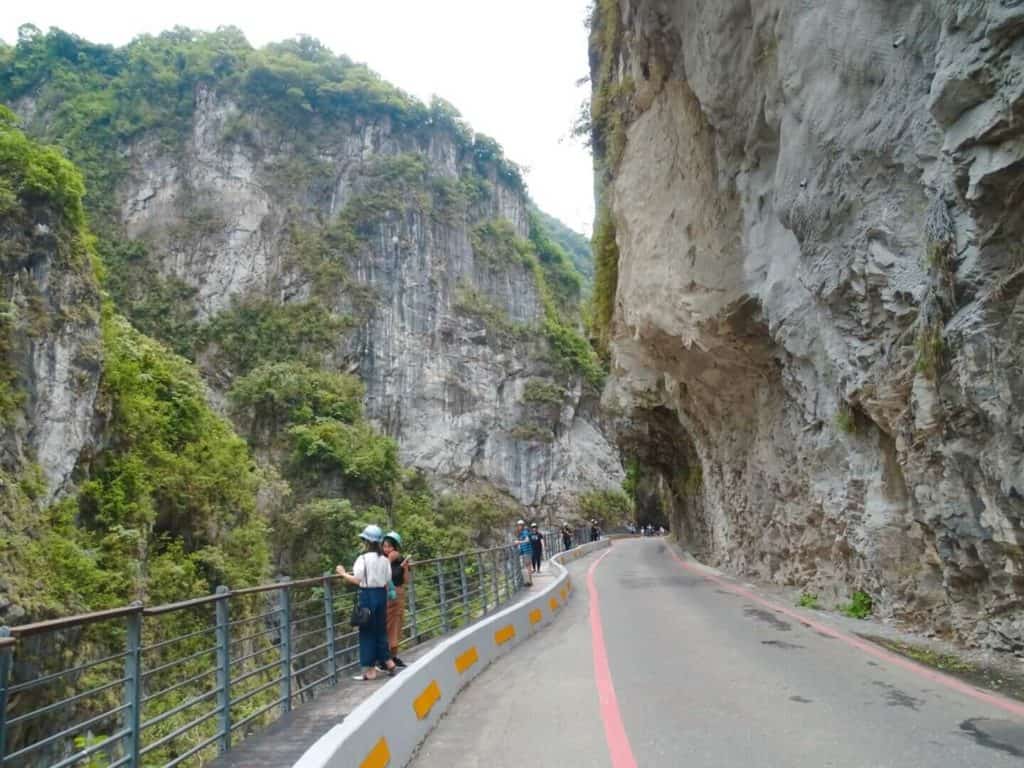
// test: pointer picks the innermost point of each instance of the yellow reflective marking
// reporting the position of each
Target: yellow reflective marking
(505, 634)
(379, 756)
(536, 616)
(426, 700)
(466, 660)
(554, 603)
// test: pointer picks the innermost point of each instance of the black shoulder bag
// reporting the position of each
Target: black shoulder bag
(360, 615)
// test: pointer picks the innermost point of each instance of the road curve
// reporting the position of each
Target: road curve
(675, 668)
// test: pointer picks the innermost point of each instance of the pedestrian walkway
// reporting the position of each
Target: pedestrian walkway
(285, 741)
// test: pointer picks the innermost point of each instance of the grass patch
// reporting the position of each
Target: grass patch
(930, 348)
(808, 600)
(946, 662)
(472, 303)
(845, 420)
(860, 605)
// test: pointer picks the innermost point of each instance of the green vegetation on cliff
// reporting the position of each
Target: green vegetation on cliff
(170, 487)
(573, 243)
(98, 97)
(606, 280)
(605, 125)
(174, 472)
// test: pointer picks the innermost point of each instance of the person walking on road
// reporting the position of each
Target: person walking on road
(536, 548)
(371, 572)
(391, 548)
(523, 537)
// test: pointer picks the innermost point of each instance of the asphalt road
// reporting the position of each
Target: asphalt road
(705, 673)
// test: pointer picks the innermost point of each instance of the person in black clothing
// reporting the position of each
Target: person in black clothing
(536, 547)
(595, 532)
(566, 537)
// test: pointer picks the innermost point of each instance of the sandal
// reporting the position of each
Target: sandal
(364, 678)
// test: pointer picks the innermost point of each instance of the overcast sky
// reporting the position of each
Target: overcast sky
(509, 67)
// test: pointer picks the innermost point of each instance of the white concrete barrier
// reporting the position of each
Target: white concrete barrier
(385, 730)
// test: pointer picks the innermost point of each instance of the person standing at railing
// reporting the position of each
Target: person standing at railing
(536, 548)
(391, 547)
(371, 572)
(566, 537)
(523, 537)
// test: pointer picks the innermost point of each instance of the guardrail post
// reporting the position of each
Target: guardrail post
(285, 647)
(133, 685)
(465, 589)
(224, 666)
(441, 597)
(332, 661)
(5, 673)
(515, 568)
(483, 580)
(411, 594)
(508, 572)
(494, 577)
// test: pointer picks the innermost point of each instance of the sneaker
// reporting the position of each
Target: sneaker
(398, 662)
(382, 666)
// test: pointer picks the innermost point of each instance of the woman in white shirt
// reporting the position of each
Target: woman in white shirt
(371, 572)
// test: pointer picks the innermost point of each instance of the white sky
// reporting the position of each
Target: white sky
(510, 68)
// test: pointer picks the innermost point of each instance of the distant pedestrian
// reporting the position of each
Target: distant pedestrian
(566, 537)
(371, 572)
(391, 547)
(536, 548)
(523, 537)
(595, 532)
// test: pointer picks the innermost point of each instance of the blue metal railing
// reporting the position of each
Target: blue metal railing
(181, 683)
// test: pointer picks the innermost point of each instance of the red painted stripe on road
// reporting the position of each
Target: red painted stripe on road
(993, 699)
(614, 731)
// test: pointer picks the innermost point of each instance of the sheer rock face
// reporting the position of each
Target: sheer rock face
(448, 385)
(49, 294)
(818, 212)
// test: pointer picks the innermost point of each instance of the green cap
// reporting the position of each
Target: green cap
(393, 535)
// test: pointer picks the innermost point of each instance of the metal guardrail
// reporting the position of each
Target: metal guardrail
(179, 684)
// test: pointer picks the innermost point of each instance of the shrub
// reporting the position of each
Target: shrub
(541, 392)
(261, 331)
(531, 433)
(808, 600)
(295, 393)
(860, 605)
(496, 243)
(356, 450)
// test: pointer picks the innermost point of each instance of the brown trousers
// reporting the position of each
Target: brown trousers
(396, 616)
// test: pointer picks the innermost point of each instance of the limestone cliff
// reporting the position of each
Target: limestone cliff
(445, 333)
(400, 246)
(817, 314)
(49, 315)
